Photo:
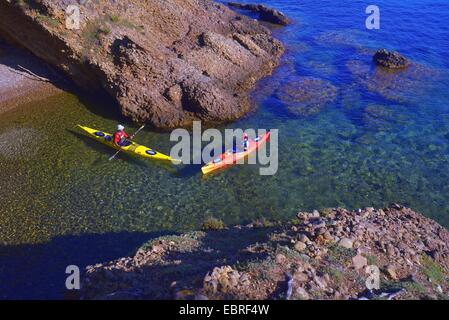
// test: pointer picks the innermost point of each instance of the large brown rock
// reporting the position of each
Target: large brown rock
(166, 63)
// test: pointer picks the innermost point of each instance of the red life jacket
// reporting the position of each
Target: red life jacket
(119, 136)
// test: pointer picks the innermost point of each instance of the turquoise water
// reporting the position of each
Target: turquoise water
(364, 137)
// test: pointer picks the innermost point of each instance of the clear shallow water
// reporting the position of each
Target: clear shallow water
(383, 138)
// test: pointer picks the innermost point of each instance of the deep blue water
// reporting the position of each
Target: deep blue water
(364, 137)
(384, 137)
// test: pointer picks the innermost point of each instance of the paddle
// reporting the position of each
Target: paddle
(135, 133)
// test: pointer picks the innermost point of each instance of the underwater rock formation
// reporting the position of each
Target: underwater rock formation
(401, 86)
(165, 63)
(306, 96)
(391, 60)
(377, 117)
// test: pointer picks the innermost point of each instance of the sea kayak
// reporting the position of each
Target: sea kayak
(229, 158)
(132, 148)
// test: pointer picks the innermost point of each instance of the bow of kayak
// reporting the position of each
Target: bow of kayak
(132, 148)
(229, 159)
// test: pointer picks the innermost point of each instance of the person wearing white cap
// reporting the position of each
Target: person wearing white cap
(120, 136)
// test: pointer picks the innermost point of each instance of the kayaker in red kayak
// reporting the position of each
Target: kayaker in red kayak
(120, 136)
(245, 142)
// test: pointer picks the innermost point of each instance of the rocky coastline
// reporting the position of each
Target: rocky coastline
(327, 254)
(177, 62)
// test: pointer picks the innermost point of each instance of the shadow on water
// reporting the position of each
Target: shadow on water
(18, 60)
(187, 171)
(216, 249)
(90, 143)
(99, 102)
(37, 271)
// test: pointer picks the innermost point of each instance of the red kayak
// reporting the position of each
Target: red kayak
(229, 158)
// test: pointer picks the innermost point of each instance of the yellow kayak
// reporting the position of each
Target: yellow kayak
(132, 148)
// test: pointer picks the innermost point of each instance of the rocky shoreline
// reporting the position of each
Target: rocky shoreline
(165, 64)
(318, 255)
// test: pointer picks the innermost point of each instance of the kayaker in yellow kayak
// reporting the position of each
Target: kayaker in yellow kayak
(120, 136)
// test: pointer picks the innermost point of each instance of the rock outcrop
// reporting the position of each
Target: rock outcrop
(265, 13)
(327, 254)
(391, 60)
(166, 63)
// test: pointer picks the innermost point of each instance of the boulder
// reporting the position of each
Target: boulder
(359, 262)
(302, 294)
(300, 277)
(300, 246)
(391, 271)
(346, 243)
(223, 279)
(390, 59)
(265, 13)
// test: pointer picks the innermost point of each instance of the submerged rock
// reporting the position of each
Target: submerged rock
(391, 60)
(350, 97)
(165, 63)
(306, 96)
(377, 117)
(350, 38)
(266, 13)
(404, 85)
